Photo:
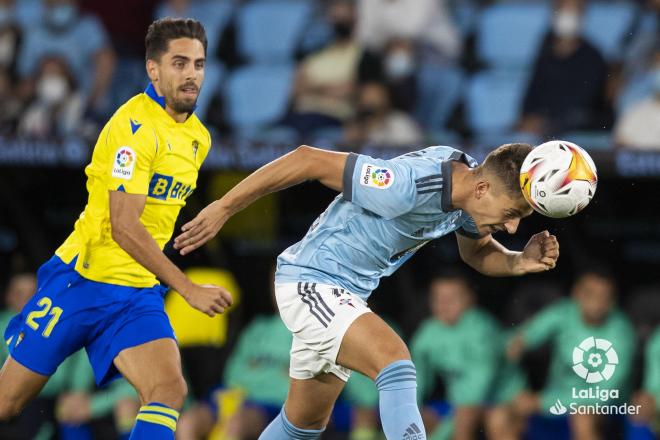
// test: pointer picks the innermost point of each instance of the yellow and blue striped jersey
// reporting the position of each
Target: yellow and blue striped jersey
(141, 150)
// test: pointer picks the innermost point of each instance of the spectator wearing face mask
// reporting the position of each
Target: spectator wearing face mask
(399, 66)
(79, 39)
(378, 123)
(56, 108)
(568, 85)
(639, 125)
(426, 23)
(326, 79)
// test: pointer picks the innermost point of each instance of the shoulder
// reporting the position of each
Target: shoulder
(200, 128)
(482, 320)
(425, 331)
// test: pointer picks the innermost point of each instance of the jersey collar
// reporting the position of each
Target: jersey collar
(446, 169)
(160, 100)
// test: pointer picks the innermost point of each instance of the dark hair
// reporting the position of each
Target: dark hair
(161, 31)
(453, 273)
(505, 163)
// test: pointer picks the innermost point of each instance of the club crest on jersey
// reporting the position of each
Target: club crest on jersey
(376, 177)
(195, 147)
(124, 163)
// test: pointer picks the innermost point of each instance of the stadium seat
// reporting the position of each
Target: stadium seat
(29, 12)
(493, 101)
(606, 25)
(439, 88)
(258, 95)
(509, 34)
(214, 15)
(270, 30)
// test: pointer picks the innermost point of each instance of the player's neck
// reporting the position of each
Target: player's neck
(461, 177)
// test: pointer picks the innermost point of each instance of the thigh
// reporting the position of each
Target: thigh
(150, 365)
(369, 345)
(310, 401)
(18, 384)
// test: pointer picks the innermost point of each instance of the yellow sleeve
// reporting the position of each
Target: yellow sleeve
(132, 149)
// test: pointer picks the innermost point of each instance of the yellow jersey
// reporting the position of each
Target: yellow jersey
(141, 150)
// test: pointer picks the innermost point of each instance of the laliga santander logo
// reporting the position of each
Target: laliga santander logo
(598, 353)
(124, 158)
(381, 177)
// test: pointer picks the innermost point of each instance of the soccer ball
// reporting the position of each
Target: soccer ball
(558, 179)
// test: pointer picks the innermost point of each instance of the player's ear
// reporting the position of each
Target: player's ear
(152, 70)
(481, 188)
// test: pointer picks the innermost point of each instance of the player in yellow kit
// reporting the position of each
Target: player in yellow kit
(100, 290)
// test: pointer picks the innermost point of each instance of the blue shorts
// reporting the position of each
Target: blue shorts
(69, 312)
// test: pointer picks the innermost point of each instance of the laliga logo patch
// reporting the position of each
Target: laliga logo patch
(124, 163)
(599, 355)
(376, 177)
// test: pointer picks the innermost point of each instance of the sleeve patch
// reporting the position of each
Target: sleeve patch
(124, 163)
(375, 176)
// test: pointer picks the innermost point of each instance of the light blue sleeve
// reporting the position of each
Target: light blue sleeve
(384, 187)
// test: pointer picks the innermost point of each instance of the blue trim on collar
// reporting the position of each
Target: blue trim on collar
(160, 100)
(151, 93)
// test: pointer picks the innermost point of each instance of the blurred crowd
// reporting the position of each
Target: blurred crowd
(479, 376)
(384, 72)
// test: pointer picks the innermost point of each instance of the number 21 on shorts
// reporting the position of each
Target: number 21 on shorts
(46, 305)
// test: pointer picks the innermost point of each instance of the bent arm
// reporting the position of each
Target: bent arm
(131, 235)
(487, 256)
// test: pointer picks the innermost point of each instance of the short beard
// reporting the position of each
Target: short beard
(182, 106)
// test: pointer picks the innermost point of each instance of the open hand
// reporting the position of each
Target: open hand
(540, 253)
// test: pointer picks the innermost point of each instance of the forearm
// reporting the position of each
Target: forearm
(136, 241)
(495, 260)
(300, 165)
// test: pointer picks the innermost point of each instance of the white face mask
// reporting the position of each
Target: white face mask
(52, 89)
(566, 24)
(399, 64)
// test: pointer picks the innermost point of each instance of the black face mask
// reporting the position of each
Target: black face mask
(343, 30)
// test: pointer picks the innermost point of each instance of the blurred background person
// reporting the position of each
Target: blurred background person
(644, 426)
(568, 83)
(69, 406)
(426, 22)
(254, 386)
(78, 38)
(377, 122)
(11, 37)
(56, 107)
(638, 126)
(325, 81)
(590, 312)
(463, 346)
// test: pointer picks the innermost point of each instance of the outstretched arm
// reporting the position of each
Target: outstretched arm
(302, 164)
(488, 256)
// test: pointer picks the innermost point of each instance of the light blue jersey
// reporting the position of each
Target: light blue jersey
(387, 211)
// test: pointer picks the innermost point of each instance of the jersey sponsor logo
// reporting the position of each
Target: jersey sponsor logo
(164, 187)
(124, 163)
(376, 177)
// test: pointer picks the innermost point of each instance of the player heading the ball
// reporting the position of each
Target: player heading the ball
(385, 212)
